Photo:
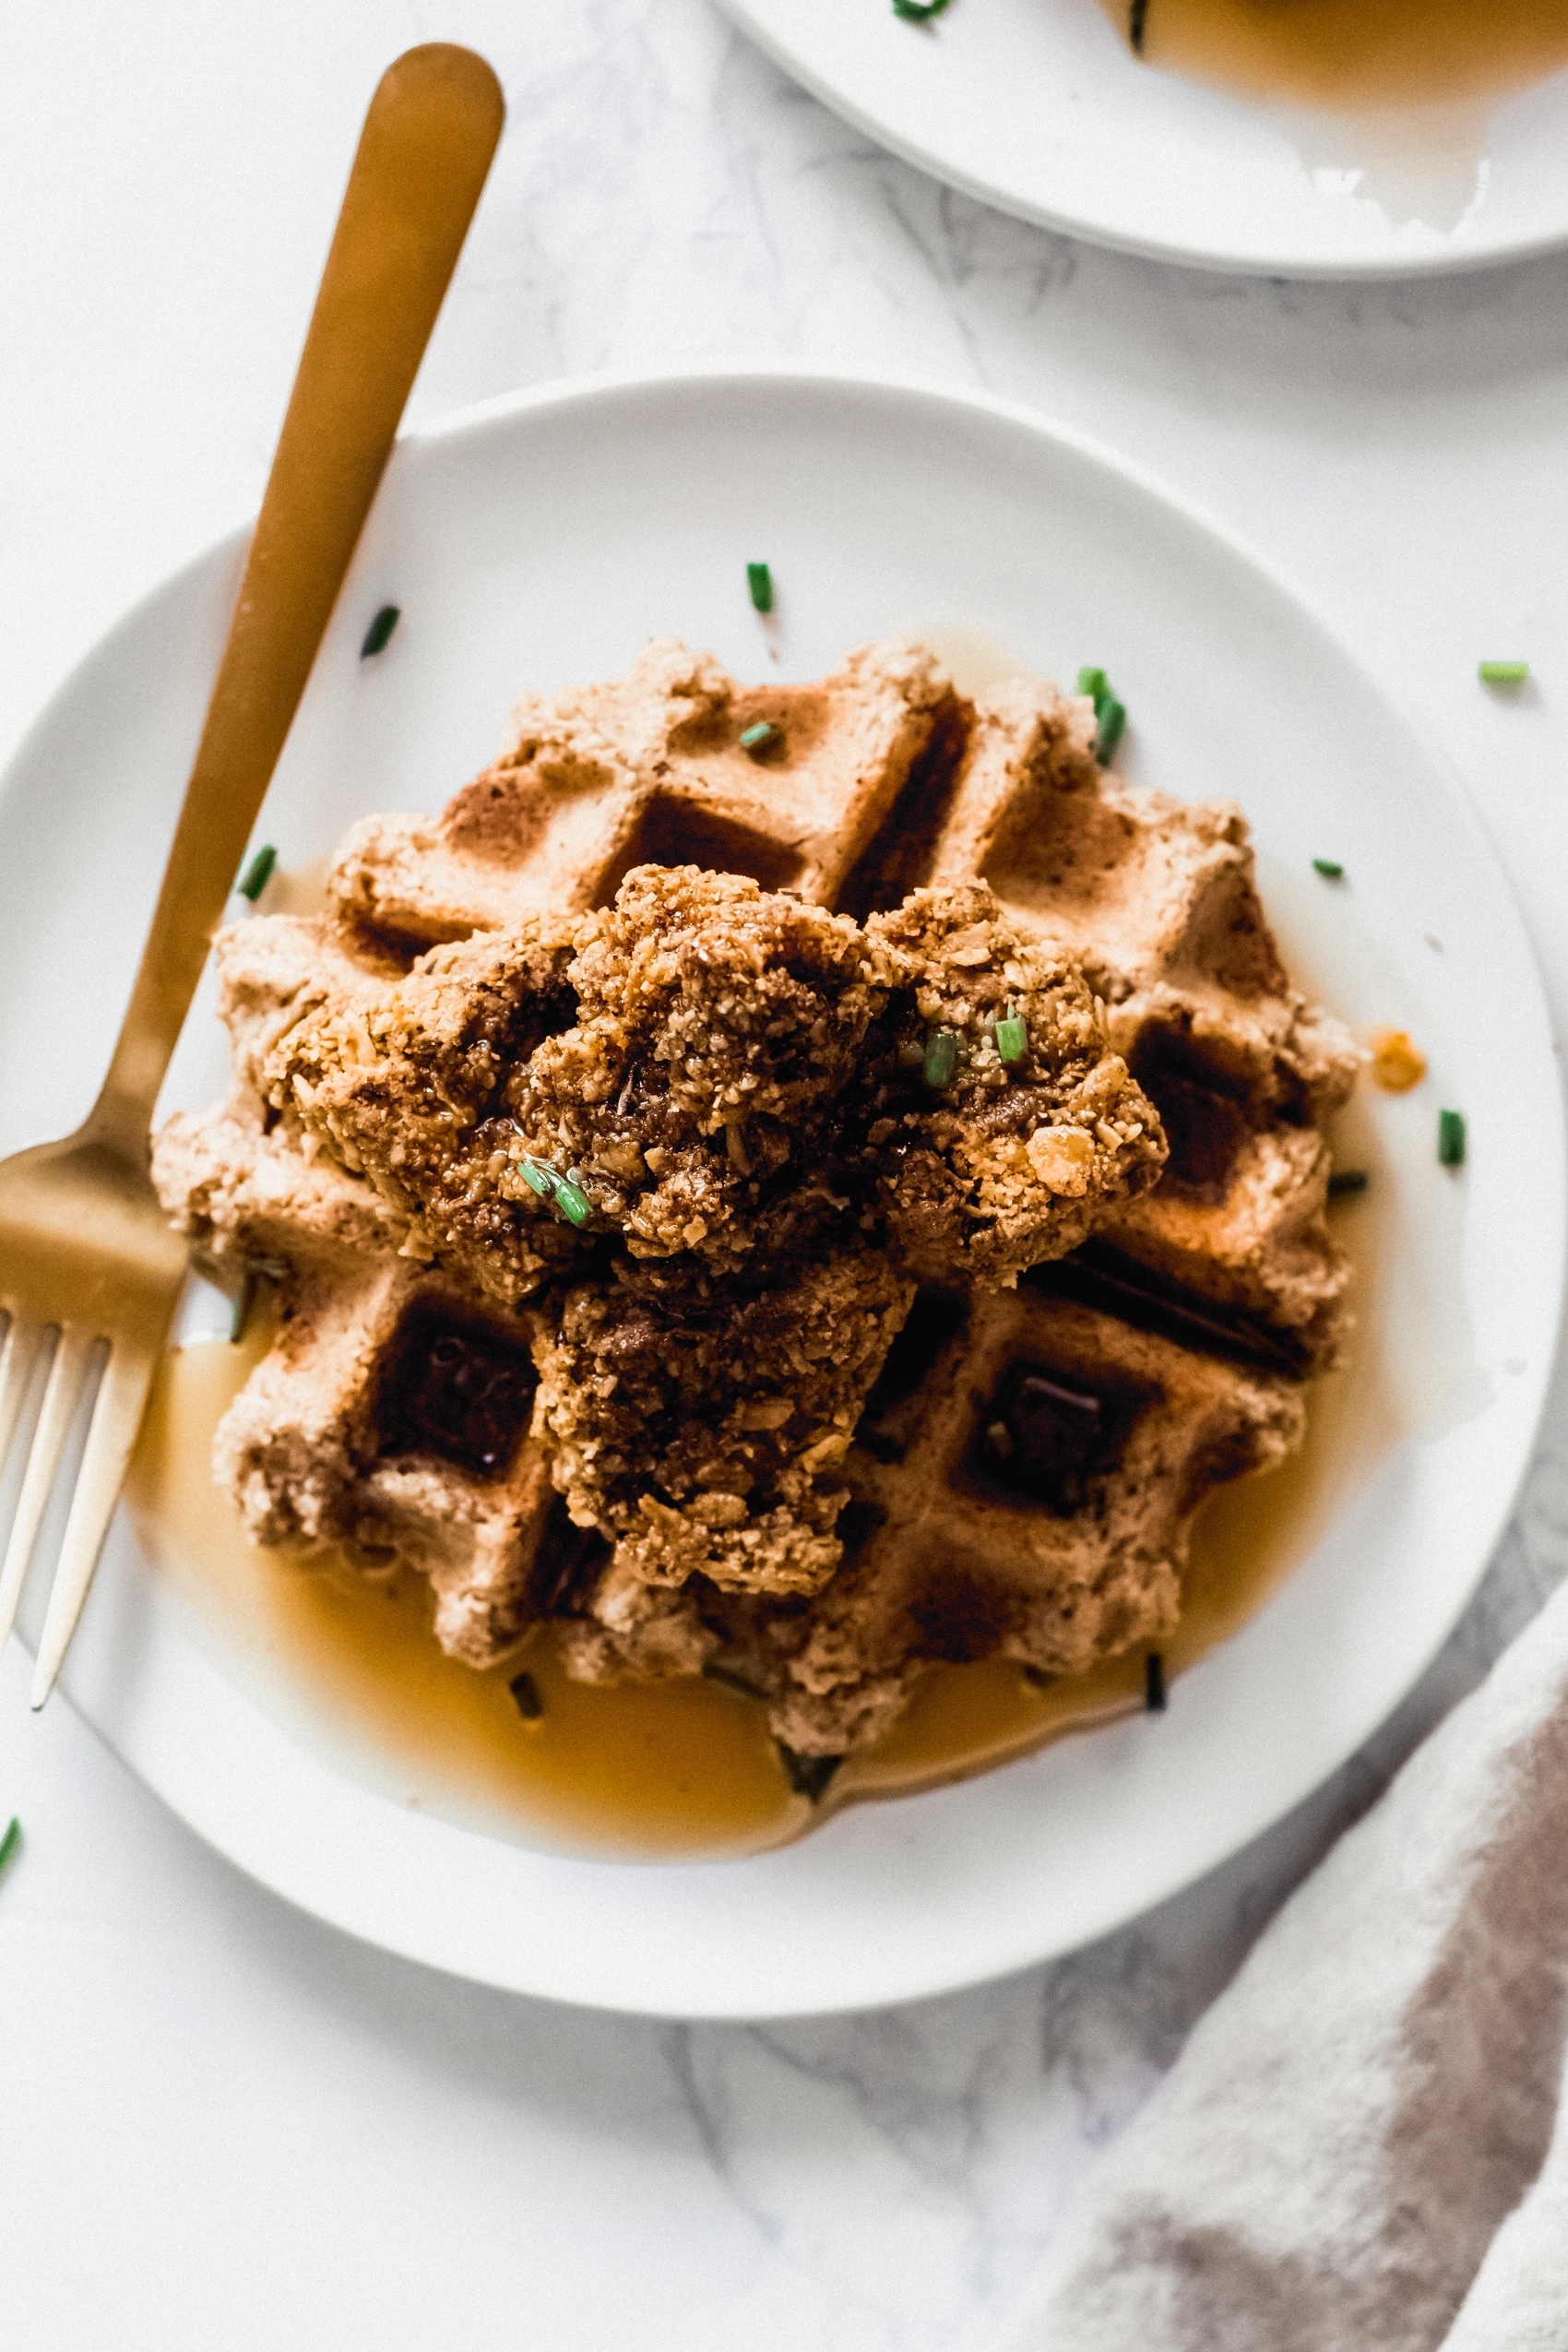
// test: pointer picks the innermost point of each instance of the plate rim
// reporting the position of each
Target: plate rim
(1018, 205)
(584, 391)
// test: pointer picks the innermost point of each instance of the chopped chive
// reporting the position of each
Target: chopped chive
(1451, 1139)
(759, 580)
(941, 1057)
(918, 12)
(807, 1776)
(239, 1314)
(1109, 715)
(1503, 673)
(564, 1194)
(1347, 1180)
(574, 1205)
(380, 630)
(257, 875)
(727, 1680)
(1154, 1682)
(1136, 17)
(1012, 1039)
(760, 738)
(10, 1843)
(1112, 727)
(1330, 869)
(525, 1691)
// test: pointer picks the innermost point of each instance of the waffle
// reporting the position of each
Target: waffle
(828, 1372)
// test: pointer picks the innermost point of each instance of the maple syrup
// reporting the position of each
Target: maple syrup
(1351, 55)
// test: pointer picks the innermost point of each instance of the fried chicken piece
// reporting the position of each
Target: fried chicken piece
(701, 1424)
(716, 1029)
(1012, 1161)
(722, 1042)
(404, 1086)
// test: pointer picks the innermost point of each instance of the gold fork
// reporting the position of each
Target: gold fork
(86, 1252)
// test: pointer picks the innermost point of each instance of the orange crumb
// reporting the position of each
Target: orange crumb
(1398, 1064)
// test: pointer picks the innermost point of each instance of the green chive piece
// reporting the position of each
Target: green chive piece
(564, 1194)
(239, 1314)
(760, 738)
(1012, 1039)
(1503, 673)
(1347, 1180)
(1330, 869)
(1154, 1682)
(1112, 727)
(10, 1844)
(525, 1691)
(918, 12)
(574, 1205)
(380, 630)
(257, 875)
(807, 1776)
(1451, 1139)
(1111, 715)
(941, 1057)
(759, 580)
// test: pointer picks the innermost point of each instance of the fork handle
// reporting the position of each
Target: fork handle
(422, 156)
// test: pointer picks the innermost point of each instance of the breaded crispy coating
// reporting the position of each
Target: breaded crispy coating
(703, 1424)
(724, 1036)
(743, 1070)
(405, 1086)
(1009, 1162)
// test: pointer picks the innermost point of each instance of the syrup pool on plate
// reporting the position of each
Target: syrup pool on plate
(1351, 55)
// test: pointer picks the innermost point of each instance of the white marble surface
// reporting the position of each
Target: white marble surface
(219, 2122)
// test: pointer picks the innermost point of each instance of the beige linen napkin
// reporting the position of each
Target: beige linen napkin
(1356, 2150)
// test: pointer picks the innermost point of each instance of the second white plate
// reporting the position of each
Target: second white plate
(1039, 107)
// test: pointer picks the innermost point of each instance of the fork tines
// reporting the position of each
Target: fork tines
(75, 1354)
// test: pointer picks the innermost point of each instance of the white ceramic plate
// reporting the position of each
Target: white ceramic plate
(1039, 107)
(541, 539)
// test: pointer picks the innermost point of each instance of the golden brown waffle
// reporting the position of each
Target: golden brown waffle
(1026, 1473)
(652, 770)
